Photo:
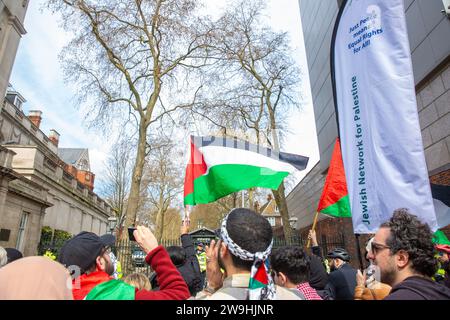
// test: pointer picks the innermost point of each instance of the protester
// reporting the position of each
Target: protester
(13, 254)
(35, 278)
(403, 250)
(342, 278)
(138, 280)
(3, 257)
(201, 257)
(87, 251)
(90, 253)
(318, 276)
(368, 286)
(184, 258)
(291, 269)
(444, 264)
(244, 245)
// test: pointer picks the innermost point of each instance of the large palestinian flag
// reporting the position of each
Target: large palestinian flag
(334, 200)
(219, 166)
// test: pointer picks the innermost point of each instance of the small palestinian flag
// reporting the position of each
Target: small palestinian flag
(261, 286)
(220, 166)
(334, 200)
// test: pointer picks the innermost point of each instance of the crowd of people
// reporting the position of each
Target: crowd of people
(240, 264)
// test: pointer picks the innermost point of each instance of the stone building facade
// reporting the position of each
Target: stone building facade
(12, 15)
(71, 204)
(428, 30)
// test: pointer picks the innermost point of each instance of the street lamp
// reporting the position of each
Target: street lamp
(112, 222)
(293, 222)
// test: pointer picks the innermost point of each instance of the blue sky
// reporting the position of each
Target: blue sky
(38, 77)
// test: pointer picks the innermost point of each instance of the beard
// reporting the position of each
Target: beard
(388, 275)
(109, 268)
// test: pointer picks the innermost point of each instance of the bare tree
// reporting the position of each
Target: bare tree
(259, 80)
(162, 181)
(115, 185)
(132, 60)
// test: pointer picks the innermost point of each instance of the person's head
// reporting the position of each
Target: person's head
(247, 231)
(3, 257)
(13, 254)
(443, 252)
(403, 247)
(177, 255)
(200, 247)
(337, 258)
(290, 266)
(35, 278)
(139, 281)
(89, 252)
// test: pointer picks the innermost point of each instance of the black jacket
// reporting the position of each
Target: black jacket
(318, 276)
(418, 288)
(190, 269)
(342, 282)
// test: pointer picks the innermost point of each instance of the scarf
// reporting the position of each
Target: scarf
(261, 286)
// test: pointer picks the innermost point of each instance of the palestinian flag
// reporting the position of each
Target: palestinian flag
(441, 201)
(112, 290)
(334, 200)
(219, 166)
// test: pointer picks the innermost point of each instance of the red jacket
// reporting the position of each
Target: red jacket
(171, 284)
(83, 284)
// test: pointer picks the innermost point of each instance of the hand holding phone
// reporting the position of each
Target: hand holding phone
(130, 234)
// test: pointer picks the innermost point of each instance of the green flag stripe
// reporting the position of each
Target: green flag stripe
(222, 180)
(340, 209)
(439, 237)
(255, 284)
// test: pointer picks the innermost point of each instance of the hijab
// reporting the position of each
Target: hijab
(35, 278)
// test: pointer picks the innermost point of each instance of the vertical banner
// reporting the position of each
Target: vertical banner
(376, 107)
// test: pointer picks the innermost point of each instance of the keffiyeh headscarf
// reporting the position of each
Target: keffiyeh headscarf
(261, 286)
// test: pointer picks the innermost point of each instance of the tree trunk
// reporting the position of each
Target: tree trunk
(280, 200)
(279, 195)
(133, 202)
(251, 192)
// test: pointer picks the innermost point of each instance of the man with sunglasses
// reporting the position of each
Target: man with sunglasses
(90, 253)
(403, 251)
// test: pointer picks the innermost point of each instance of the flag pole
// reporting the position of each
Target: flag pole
(313, 227)
(358, 249)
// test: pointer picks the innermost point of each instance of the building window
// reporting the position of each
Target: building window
(271, 221)
(21, 234)
(87, 177)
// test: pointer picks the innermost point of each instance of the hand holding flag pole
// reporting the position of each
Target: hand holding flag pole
(308, 244)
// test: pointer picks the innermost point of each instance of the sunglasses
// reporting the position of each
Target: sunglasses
(377, 247)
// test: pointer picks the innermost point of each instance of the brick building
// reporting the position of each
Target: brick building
(430, 49)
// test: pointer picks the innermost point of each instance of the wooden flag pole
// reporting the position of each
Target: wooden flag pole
(313, 228)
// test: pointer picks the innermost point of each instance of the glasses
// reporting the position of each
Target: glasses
(106, 250)
(377, 247)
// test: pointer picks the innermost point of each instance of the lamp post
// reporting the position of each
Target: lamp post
(293, 222)
(112, 222)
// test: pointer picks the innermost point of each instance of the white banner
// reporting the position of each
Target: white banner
(379, 127)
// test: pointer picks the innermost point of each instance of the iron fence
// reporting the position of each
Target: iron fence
(132, 258)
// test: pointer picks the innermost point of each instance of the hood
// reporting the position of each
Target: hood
(424, 287)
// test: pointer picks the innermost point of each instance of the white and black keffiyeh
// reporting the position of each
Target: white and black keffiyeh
(261, 286)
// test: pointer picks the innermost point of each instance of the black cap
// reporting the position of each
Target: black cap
(83, 249)
(13, 254)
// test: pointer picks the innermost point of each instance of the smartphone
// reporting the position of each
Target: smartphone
(130, 233)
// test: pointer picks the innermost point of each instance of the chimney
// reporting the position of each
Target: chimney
(54, 137)
(269, 197)
(35, 117)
